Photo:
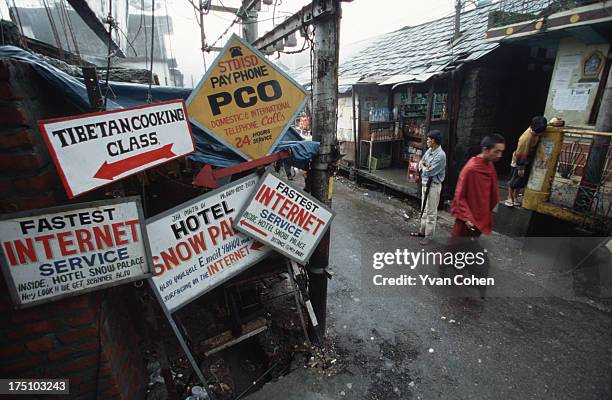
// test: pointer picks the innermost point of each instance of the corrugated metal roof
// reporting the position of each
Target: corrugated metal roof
(416, 53)
(419, 52)
(407, 78)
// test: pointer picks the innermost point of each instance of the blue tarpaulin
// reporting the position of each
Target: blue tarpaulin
(125, 95)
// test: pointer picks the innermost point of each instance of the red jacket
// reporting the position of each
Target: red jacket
(476, 194)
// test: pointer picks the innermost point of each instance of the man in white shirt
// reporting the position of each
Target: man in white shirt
(433, 172)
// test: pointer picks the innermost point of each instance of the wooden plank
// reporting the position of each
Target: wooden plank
(226, 339)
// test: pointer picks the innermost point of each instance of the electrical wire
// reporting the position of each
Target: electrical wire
(169, 40)
(149, 98)
(225, 32)
(273, 13)
(18, 18)
(305, 47)
(63, 23)
(110, 21)
(2, 26)
(53, 28)
(142, 18)
(240, 11)
(145, 33)
(71, 29)
(205, 6)
(312, 56)
(128, 41)
(243, 22)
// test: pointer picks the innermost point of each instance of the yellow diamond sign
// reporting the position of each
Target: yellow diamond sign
(245, 101)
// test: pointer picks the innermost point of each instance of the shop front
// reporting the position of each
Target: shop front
(394, 118)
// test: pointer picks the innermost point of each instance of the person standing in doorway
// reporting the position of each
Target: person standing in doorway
(477, 193)
(521, 159)
(433, 171)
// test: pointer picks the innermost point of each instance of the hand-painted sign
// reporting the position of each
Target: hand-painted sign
(195, 247)
(287, 219)
(93, 150)
(64, 251)
(245, 101)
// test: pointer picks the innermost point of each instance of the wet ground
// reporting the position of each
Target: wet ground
(425, 345)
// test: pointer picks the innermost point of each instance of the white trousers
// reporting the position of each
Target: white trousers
(430, 214)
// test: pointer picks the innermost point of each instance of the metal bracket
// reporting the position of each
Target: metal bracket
(207, 177)
(296, 22)
(90, 76)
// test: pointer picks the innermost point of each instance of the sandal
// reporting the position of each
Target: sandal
(416, 234)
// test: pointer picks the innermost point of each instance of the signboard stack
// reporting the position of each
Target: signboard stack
(285, 218)
(195, 248)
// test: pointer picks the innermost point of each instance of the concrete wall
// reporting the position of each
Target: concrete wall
(345, 118)
(569, 96)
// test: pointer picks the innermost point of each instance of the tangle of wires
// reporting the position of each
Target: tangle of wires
(112, 24)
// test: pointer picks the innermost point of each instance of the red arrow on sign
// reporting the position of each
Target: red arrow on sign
(109, 171)
(253, 228)
(256, 245)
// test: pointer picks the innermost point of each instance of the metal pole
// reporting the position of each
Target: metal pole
(457, 31)
(202, 35)
(181, 340)
(324, 124)
(249, 22)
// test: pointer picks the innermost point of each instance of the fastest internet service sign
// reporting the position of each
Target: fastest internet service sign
(285, 218)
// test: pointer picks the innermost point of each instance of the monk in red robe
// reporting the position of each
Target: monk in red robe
(476, 193)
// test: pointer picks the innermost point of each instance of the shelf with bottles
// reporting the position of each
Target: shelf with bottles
(379, 115)
(412, 173)
(386, 133)
(413, 110)
(412, 150)
(413, 128)
(414, 106)
(438, 107)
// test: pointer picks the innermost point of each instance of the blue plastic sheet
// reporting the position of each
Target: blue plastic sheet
(125, 95)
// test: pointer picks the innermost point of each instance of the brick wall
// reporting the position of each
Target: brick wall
(88, 339)
(28, 178)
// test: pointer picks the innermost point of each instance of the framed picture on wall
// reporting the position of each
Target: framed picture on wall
(592, 65)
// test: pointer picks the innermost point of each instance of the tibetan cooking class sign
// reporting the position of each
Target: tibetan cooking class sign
(245, 101)
(195, 248)
(287, 219)
(64, 251)
(93, 150)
